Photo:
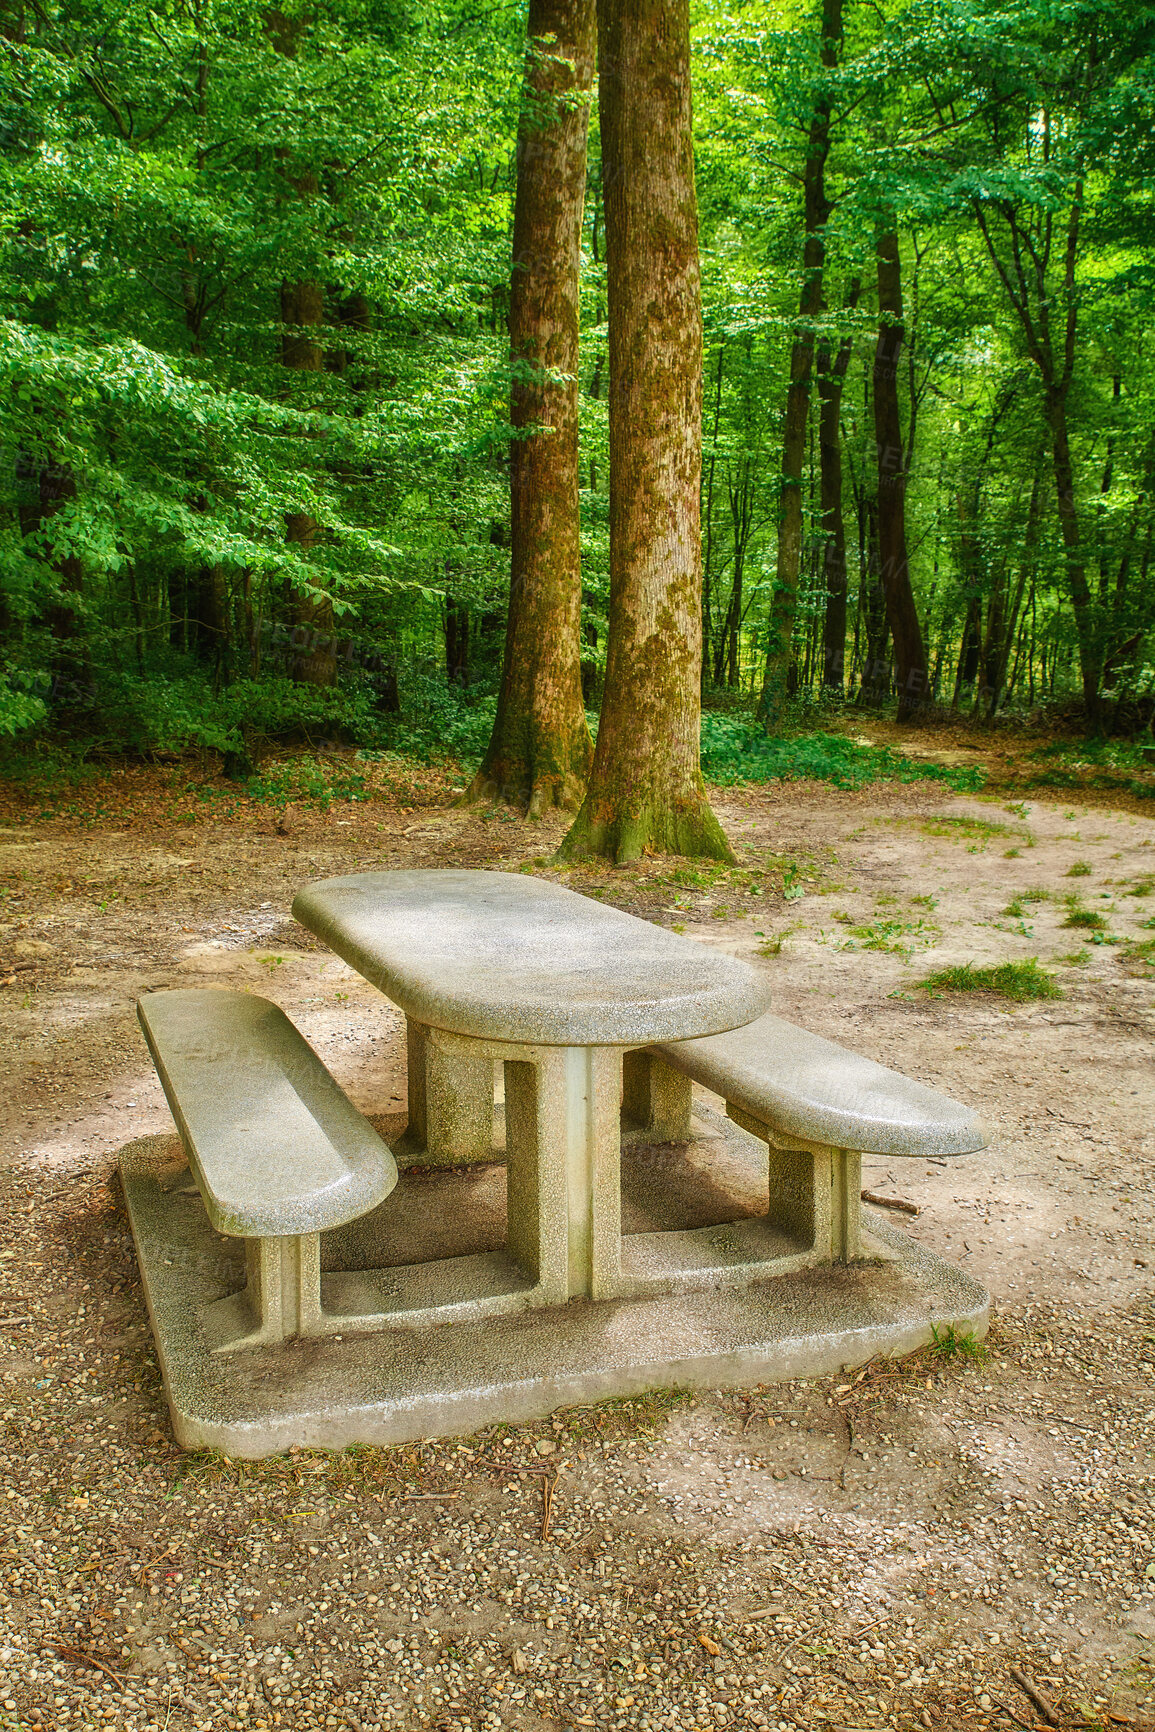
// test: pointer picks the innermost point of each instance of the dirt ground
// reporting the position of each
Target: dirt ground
(884, 1549)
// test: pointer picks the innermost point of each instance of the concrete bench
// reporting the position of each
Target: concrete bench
(278, 1151)
(817, 1107)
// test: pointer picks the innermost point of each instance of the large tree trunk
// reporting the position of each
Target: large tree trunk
(540, 751)
(894, 565)
(645, 792)
(831, 379)
(816, 211)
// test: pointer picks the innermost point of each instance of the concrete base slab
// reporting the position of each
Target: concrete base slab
(398, 1383)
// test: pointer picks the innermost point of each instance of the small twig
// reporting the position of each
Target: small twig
(1041, 1704)
(5, 1321)
(891, 1203)
(1008, 1710)
(885, 1618)
(547, 1490)
(429, 1496)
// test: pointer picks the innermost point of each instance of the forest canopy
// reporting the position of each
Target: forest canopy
(257, 424)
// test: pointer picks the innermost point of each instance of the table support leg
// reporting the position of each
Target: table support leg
(450, 1103)
(564, 1168)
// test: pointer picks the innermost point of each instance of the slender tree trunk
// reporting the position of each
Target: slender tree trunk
(314, 662)
(645, 791)
(456, 642)
(708, 558)
(816, 211)
(540, 751)
(874, 687)
(1087, 622)
(831, 379)
(894, 565)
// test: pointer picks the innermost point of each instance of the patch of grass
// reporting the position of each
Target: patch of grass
(1086, 920)
(975, 832)
(1011, 853)
(737, 750)
(950, 1342)
(773, 946)
(1080, 869)
(1142, 887)
(890, 933)
(1074, 959)
(1018, 981)
(1140, 954)
(1016, 907)
(924, 901)
(944, 824)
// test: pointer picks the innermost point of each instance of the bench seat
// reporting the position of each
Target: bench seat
(818, 1108)
(278, 1151)
(805, 1087)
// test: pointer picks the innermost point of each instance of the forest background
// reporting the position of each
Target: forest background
(256, 380)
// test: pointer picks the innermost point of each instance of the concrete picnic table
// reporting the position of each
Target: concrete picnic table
(501, 966)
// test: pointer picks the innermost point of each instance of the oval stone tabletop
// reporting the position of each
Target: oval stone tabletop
(506, 957)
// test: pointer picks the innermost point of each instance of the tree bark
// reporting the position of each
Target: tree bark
(816, 211)
(894, 564)
(645, 792)
(539, 754)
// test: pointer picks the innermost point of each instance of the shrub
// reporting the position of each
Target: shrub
(736, 750)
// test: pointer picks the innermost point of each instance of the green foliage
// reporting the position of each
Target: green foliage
(22, 704)
(736, 750)
(1018, 981)
(891, 933)
(948, 1342)
(213, 483)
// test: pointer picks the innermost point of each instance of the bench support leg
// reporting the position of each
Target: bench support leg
(450, 1103)
(656, 1097)
(815, 1196)
(815, 1192)
(282, 1295)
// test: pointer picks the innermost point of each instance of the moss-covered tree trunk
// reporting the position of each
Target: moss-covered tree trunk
(645, 792)
(539, 754)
